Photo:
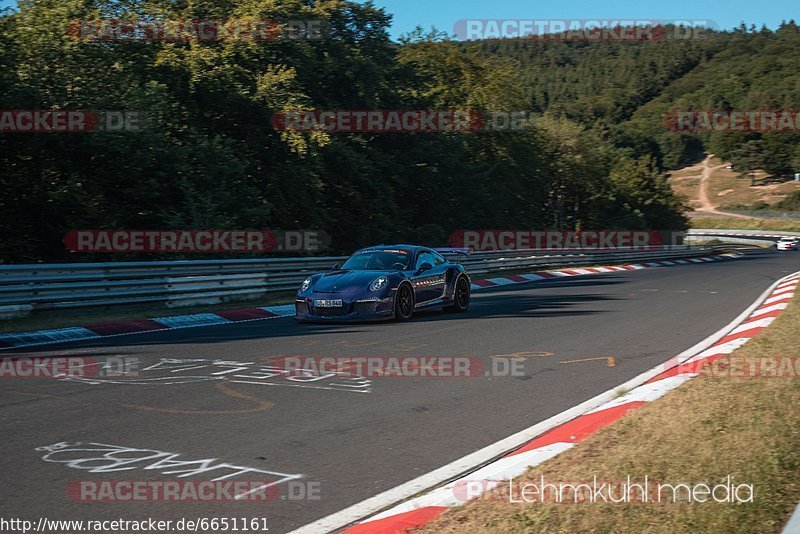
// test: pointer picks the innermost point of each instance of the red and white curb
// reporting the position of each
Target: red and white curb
(580, 271)
(175, 322)
(545, 440)
(97, 331)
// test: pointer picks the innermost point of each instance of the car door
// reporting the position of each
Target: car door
(429, 284)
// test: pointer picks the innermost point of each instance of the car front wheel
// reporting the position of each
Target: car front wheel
(403, 303)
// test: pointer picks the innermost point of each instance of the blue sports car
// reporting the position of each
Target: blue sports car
(385, 282)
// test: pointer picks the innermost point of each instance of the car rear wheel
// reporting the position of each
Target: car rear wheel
(461, 296)
(404, 303)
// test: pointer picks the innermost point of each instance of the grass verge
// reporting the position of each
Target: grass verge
(702, 432)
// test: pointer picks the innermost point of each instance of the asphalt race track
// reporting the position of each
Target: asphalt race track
(354, 440)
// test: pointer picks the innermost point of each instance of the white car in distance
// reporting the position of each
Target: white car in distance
(787, 243)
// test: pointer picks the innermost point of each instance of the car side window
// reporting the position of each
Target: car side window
(424, 257)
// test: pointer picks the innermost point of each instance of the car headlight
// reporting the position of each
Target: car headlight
(378, 284)
(305, 285)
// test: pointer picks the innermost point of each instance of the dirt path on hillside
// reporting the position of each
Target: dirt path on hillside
(706, 206)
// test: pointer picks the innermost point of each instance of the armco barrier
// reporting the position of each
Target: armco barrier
(25, 288)
(721, 233)
(748, 237)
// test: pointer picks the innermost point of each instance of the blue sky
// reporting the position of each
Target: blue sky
(444, 13)
(726, 13)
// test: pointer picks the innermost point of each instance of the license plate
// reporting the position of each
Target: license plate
(328, 303)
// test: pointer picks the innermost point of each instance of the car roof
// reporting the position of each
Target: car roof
(404, 248)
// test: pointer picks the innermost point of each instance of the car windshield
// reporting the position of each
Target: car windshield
(378, 260)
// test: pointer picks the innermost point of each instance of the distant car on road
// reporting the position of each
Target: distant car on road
(787, 243)
(385, 282)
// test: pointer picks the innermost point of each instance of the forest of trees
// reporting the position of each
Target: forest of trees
(594, 157)
(624, 89)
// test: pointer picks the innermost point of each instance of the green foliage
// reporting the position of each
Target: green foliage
(210, 158)
(741, 70)
(626, 88)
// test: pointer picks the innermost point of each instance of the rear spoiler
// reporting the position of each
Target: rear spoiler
(464, 251)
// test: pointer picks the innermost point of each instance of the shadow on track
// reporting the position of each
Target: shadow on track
(500, 302)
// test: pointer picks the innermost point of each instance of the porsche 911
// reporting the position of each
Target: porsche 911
(385, 282)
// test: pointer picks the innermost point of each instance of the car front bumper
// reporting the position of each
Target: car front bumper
(368, 309)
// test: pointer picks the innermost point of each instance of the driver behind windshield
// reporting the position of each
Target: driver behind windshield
(377, 261)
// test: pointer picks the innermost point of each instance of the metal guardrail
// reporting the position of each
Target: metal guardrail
(767, 214)
(25, 288)
(733, 240)
(766, 238)
(730, 232)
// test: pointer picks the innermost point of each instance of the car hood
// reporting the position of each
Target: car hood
(337, 281)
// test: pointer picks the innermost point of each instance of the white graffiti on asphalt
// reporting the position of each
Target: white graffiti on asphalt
(104, 458)
(170, 371)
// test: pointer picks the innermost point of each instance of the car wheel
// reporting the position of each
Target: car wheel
(403, 303)
(461, 296)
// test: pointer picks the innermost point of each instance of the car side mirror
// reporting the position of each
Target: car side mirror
(425, 267)
(335, 267)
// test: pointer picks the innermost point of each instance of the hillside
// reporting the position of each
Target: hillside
(713, 189)
(625, 89)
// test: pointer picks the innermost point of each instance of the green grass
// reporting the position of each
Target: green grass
(701, 432)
